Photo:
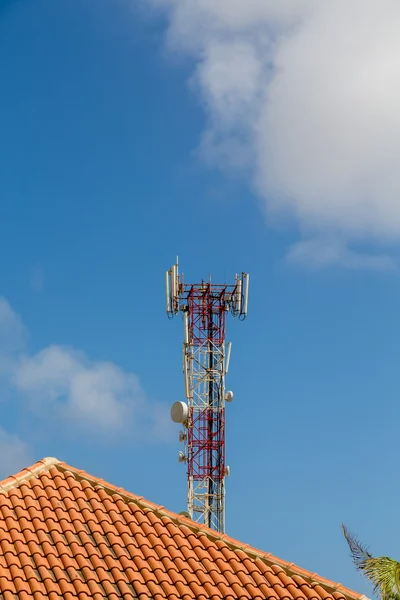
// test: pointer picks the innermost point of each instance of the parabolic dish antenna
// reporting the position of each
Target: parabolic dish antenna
(179, 412)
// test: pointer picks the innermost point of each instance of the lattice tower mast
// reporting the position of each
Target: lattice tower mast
(205, 364)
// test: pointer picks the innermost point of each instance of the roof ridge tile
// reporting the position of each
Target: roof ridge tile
(27, 473)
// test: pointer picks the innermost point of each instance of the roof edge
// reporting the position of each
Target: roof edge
(289, 568)
(27, 473)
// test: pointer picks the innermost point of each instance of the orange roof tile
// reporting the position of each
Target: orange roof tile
(66, 534)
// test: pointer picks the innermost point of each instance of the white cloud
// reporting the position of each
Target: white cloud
(14, 454)
(64, 383)
(303, 96)
(100, 394)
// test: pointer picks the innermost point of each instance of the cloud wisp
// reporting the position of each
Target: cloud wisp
(302, 97)
(322, 253)
(37, 279)
(14, 454)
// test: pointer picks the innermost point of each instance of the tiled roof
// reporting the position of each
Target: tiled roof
(65, 534)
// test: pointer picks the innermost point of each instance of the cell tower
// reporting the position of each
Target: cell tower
(205, 364)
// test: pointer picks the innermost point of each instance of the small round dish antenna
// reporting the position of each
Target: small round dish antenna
(181, 457)
(229, 396)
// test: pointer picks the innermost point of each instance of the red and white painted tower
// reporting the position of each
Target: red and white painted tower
(206, 357)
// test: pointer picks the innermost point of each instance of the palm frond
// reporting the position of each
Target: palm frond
(359, 552)
(383, 572)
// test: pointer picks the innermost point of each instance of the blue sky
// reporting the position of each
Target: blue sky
(102, 185)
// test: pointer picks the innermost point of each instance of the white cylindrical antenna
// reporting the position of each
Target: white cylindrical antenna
(177, 280)
(186, 326)
(173, 286)
(187, 387)
(186, 377)
(246, 292)
(228, 357)
(239, 296)
(167, 292)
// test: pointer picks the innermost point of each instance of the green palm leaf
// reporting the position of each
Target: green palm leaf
(383, 572)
